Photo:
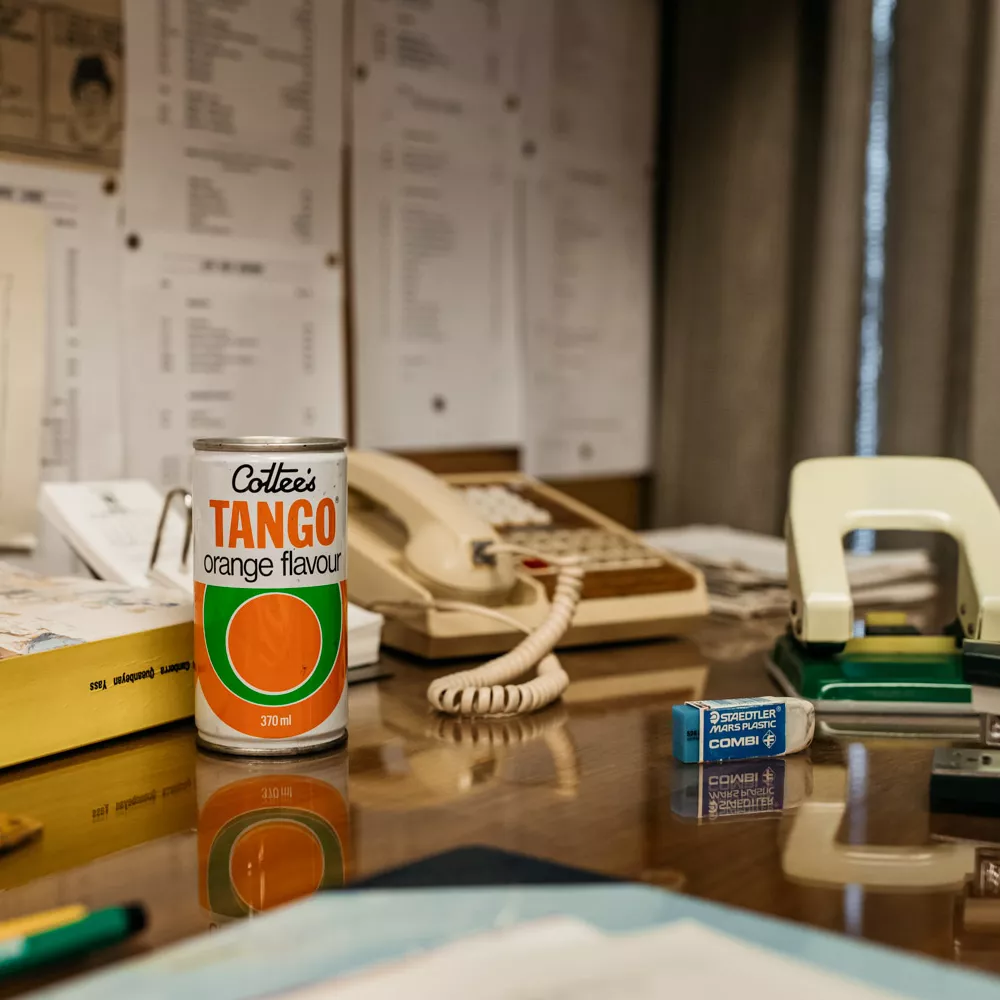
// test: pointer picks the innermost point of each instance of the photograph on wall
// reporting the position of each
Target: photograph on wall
(61, 81)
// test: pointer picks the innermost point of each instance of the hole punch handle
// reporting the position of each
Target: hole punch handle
(831, 497)
(168, 500)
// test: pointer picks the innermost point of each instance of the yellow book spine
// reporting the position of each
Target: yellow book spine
(78, 695)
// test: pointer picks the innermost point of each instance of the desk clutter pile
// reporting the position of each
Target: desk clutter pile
(746, 572)
(732, 759)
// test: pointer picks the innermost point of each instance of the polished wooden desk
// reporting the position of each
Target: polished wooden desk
(590, 783)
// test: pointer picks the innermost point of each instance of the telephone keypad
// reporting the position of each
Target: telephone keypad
(503, 507)
(523, 522)
(617, 563)
(600, 548)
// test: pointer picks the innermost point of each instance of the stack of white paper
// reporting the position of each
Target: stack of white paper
(746, 572)
(111, 526)
(562, 957)
(364, 636)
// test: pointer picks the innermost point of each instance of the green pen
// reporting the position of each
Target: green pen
(96, 930)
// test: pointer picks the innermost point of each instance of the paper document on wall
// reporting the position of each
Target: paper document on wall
(590, 77)
(438, 361)
(234, 119)
(82, 417)
(588, 320)
(227, 338)
(61, 80)
(448, 43)
(588, 80)
(23, 266)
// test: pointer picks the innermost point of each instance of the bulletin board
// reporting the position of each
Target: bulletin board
(427, 227)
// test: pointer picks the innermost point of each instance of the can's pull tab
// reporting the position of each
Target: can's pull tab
(168, 500)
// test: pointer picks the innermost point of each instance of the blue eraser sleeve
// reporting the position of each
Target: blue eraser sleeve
(687, 733)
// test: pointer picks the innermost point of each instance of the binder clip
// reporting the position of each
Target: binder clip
(17, 830)
(891, 668)
(168, 500)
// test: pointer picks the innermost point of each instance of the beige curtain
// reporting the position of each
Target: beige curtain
(979, 430)
(766, 124)
(935, 147)
(761, 276)
(941, 363)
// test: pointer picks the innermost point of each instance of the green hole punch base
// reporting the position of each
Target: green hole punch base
(872, 683)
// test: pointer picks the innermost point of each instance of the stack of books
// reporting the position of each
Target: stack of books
(111, 526)
(83, 661)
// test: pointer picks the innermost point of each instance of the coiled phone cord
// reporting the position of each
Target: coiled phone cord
(487, 690)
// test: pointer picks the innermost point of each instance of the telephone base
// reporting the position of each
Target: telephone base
(397, 634)
(873, 683)
(629, 590)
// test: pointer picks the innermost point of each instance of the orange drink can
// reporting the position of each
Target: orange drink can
(270, 615)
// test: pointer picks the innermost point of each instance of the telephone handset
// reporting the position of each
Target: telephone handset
(444, 534)
(456, 554)
(467, 565)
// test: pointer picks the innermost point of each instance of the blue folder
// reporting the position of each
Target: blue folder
(338, 932)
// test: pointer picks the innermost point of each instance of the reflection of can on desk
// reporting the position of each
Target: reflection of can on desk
(270, 831)
(270, 570)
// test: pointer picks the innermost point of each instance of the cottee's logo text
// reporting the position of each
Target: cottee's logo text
(274, 478)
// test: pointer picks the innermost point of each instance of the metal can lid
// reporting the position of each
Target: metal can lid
(266, 443)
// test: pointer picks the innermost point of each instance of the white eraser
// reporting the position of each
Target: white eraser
(738, 728)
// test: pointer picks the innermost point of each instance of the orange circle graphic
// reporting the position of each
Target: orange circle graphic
(275, 862)
(274, 642)
(247, 718)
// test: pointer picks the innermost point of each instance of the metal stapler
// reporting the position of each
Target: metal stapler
(891, 667)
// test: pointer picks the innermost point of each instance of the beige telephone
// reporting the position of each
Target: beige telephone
(466, 566)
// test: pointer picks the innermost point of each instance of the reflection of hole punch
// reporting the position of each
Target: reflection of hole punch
(812, 854)
(977, 911)
(168, 500)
